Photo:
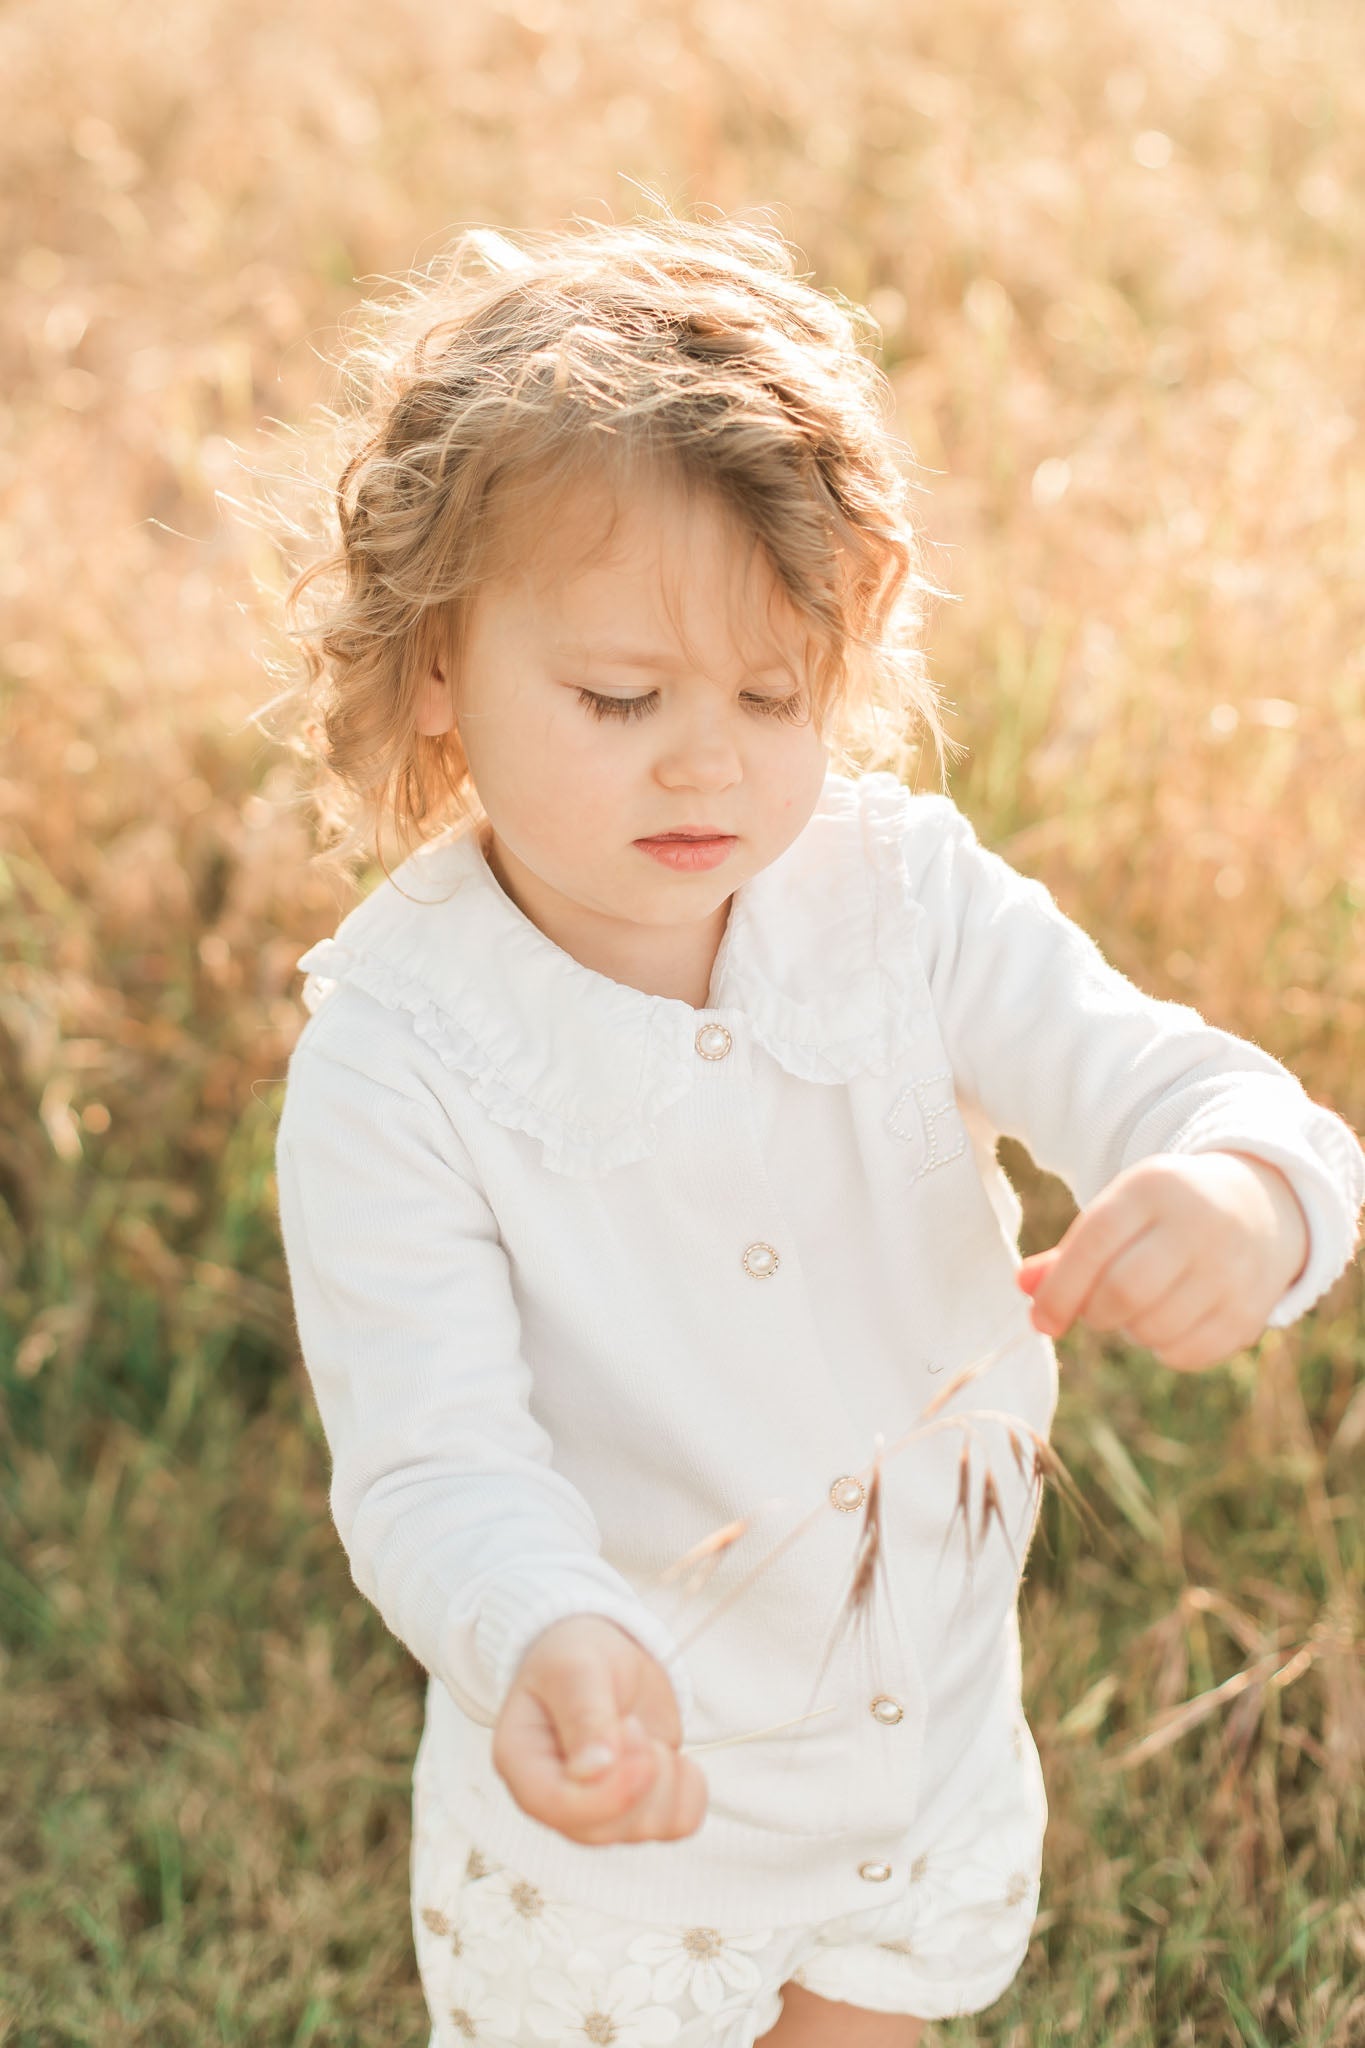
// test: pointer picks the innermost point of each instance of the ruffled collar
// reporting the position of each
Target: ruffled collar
(816, 963)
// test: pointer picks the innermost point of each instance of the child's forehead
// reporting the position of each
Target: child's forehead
(583, 529)
(634, 572)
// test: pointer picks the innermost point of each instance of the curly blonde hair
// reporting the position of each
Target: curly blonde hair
(509, 370)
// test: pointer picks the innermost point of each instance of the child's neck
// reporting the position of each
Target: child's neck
(659, 960)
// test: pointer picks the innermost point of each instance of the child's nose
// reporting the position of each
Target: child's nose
(705, 758)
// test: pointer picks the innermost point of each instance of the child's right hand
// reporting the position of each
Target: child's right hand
(588, 1738)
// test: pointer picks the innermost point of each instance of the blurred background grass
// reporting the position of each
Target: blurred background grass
(1118, 255)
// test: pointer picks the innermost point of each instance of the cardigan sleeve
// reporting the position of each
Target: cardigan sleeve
(1064, 1053)
(456, 1524)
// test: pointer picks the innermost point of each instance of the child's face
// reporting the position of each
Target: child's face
(572, 787)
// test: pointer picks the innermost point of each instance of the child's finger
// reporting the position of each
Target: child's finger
(1164, 1321)
(585, 1717)
(1208, 1342)
(1134, 1282)
(1033, 1270)
(1096, 1236)
(673, 1804)
(528, 1756)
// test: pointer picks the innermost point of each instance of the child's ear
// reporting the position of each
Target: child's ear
(435, 704)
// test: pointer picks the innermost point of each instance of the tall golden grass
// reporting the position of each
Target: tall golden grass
(1118, 255)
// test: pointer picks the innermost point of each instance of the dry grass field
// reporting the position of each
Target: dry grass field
(1117, 251)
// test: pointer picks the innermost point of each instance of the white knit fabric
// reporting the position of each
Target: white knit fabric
(516, 1202)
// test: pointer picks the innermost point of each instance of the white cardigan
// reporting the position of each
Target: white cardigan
(583, 1274)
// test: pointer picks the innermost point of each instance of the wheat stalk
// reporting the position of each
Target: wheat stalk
(1045, 1460)
(707, 1554)
(752, 1734)
(857, 1610)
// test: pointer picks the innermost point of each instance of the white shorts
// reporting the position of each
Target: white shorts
(503, 1963)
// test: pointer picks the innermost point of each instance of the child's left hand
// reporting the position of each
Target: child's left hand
(1186, 1254)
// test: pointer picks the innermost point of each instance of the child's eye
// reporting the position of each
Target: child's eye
(617, 707)
(638, 707)
(793, 706)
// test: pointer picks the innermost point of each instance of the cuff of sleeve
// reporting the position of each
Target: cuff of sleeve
(1323, 1163)
(517, 1608)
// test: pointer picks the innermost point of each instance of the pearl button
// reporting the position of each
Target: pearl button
(887, 1710)
(713, 1041)
(760, 1260)
(875, 1873)
(848, 1494)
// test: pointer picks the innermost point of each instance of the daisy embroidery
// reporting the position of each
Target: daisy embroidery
(477, 1865)
(515, 1915)
(473, 2014)
(451, 1933)
(587, 2003)
(875, 1923)
(700, 1960)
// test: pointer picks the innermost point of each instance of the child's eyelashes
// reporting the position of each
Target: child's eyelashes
(618, 707)
(792, 706)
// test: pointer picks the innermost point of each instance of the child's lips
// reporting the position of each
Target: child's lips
(687, 854)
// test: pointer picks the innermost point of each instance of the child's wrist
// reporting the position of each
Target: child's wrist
(1293, 1238)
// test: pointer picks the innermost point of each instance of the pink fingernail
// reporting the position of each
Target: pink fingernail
(588, 1762)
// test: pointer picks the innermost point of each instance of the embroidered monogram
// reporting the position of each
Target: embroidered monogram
(926, 1116)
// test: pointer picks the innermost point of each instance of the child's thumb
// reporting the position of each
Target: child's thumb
(1034, 1270)
(587, 1723)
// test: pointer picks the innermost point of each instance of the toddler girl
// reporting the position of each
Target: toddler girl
(637, 1170)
